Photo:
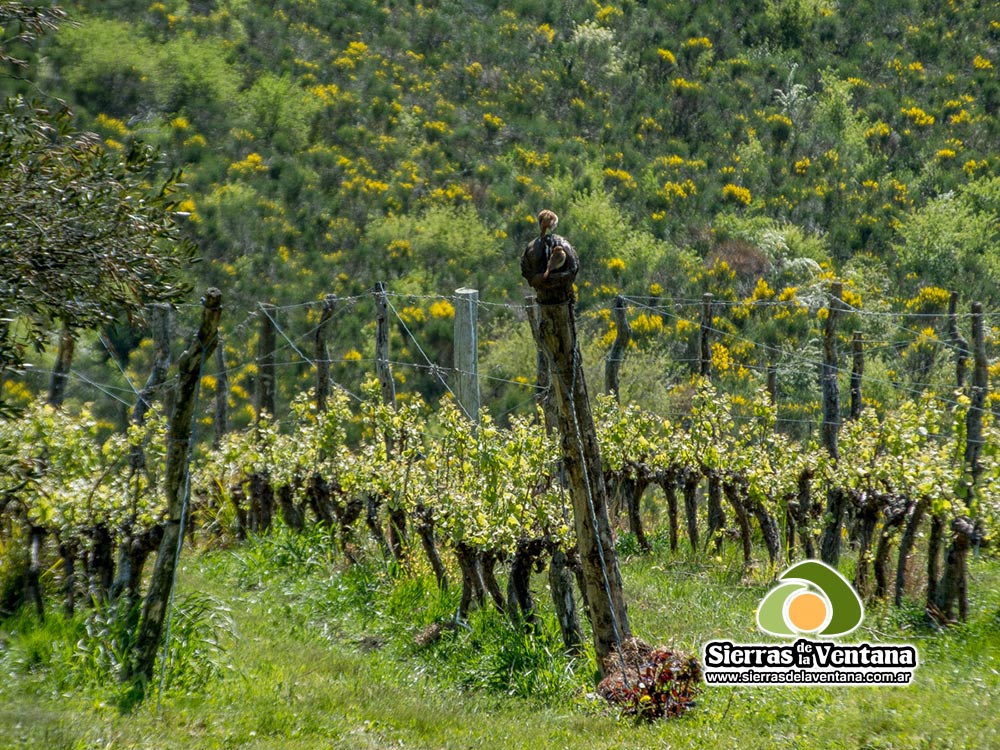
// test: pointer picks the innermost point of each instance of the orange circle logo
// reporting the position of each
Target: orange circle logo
(807, 612)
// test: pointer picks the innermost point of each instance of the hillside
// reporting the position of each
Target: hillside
(688, 147)
(336, 129)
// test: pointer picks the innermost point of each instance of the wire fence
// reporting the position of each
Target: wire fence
(297, 323)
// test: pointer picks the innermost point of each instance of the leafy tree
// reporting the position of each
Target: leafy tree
(85, 237)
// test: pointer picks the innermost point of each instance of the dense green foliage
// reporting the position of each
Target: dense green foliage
(414, 143)
(689, 148)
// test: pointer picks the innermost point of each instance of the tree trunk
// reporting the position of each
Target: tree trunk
(67, 554)
(934, 540)
(733, 494)
(691, 481)
(913, 515)
(668, 482)
(716, 514)
(473, 589)
(425, 530)
(61, 367)
(836, 504)
(561, 581)
(867, 518)
(954, 581)
(32, 581)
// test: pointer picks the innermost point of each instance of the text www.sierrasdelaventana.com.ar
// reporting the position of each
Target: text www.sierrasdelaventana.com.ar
(808, 662)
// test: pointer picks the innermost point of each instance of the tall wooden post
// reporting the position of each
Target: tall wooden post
(623, 335)
(772, 383)
(265, 362)
(543, 378)
(705, 336)
(957, 341)
(221, 419)
(857, 373)
(322, 354)
(965, 531)
(383, 369)
(828, 373)
(980, 384)
(467, 352)
(135, 548)
(176, 487)
(836, 499)
(580, 453)
(561, 575)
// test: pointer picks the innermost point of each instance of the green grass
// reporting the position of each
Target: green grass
(315, 656)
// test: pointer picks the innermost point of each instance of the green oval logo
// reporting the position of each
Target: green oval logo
(811, 598)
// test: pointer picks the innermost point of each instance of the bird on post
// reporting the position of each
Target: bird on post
(547, 221)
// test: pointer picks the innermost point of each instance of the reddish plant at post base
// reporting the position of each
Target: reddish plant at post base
(658, 683)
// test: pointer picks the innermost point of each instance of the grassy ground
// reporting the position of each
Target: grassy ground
(280, 649)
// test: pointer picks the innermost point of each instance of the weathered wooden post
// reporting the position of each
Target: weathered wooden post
(623, 335)
(383, 369)
(322, 354)
(857, 373)
(176, 487)
(467, 352)
(543, 378)
(957, 341)
(836, 499)
(772, 383)
(266, 399)
(561, 575)
(220, 421)
(261, 489)
(980, 384)
(550, 265)
(965, 533)
(134, 549)
(705, 336)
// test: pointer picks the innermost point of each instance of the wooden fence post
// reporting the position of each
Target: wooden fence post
(705, 336)
(980, 385)
(265, 362)
(623, 335)
(836, 498)
(580, 452)
(176, 486)
(857, 373)
(561, 575)
(772, 383)
(467, 352)
(829, 372)
(957, 341)
(965, 532)
(322, 353)
(383, 369)
(221, 419)
(261, 490)
(133, 550)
